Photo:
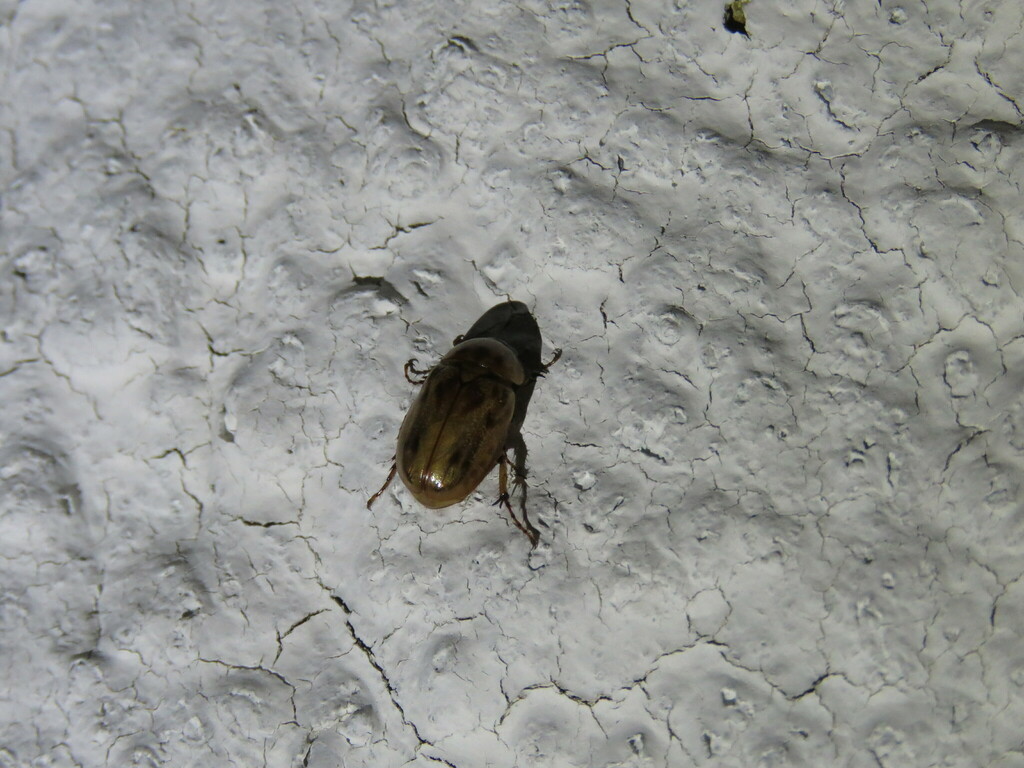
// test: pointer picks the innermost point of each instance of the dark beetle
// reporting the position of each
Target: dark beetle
(470, 413)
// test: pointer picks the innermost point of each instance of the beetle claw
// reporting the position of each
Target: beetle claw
(410, 366)
(504, 499)
(528, 530)
(553, 360)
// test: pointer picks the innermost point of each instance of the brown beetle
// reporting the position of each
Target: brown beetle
(470, 413)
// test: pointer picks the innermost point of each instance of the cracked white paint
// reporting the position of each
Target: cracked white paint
(777, 470)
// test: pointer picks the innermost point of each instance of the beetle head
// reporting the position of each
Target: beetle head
(511, 323)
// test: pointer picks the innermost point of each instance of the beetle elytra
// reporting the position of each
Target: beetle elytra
(470, 413)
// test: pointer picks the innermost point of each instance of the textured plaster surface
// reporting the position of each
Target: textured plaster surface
(777, 471)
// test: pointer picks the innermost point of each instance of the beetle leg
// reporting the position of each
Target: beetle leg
(519, 481)
(411, 367)
(391, 476)
(503, 498)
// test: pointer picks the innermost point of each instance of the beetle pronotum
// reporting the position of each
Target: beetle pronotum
(470, 413)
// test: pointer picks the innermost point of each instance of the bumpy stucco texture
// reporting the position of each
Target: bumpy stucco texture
(777, 471)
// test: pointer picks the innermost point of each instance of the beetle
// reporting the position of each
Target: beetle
(470, 413)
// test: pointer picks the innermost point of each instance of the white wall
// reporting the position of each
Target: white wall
(777, 470)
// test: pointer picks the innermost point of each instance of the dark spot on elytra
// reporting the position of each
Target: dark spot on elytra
(446, 388)
(473, 398)
(458, 456)
(459, 464)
